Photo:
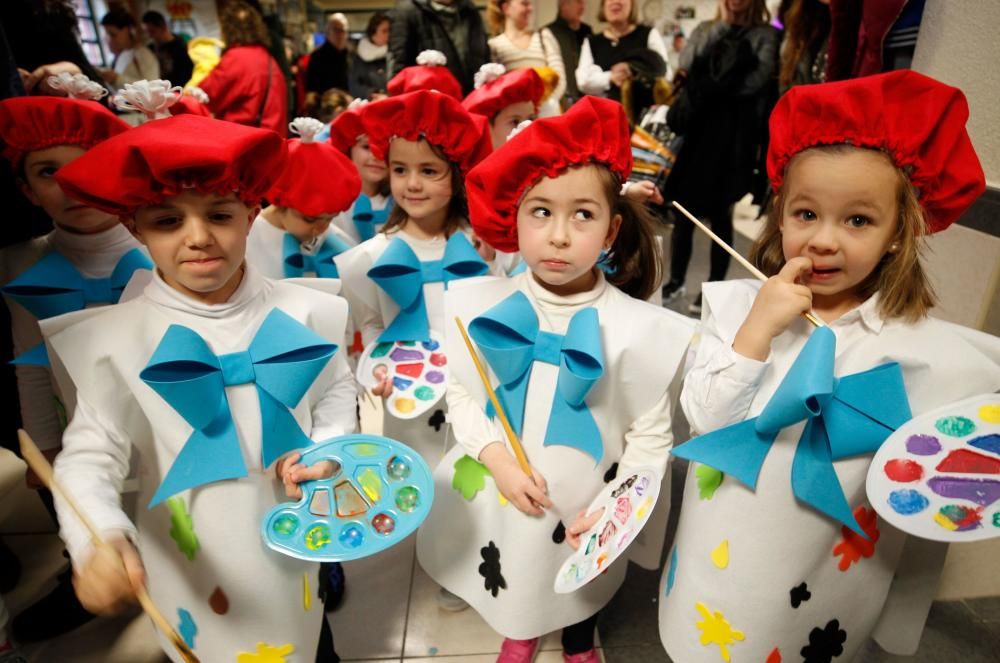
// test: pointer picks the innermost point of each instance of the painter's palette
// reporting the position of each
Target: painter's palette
(938, 476)
(380, 492)
(627, 505)
(419, 372)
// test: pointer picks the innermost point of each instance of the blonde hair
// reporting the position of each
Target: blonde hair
(495, 19)
(758, 14)
(633, 13)
(899, 278)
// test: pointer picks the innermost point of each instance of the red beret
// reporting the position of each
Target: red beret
(431, 76)
(346, 128)
(29, 124)
(318, 178)
(464, 138)
(917, 121)
(592, 130)
(161, 158)
(510, 88)
(188, 105)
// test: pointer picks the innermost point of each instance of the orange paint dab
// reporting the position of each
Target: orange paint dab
(853, 546)
(774, 656)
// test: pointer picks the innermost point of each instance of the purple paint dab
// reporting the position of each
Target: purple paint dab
(907, 501)
(400, 355)
(981, 491)
(434, 377)
(923, 445)
(989, 443)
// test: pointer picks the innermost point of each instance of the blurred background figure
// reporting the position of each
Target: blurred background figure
(367, 72)
(133, 61)
(170, 50)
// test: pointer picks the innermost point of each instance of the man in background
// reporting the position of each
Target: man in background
(175, 63)
(570, 31)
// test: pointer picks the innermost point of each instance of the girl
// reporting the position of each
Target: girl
(293, 236)
(179, 372)
(859, 179)
(430, 73)
(553, 193)
(505, 98)
(429, 142)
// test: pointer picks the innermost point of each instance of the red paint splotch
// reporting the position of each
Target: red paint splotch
(904, 470)
(853, 546)
(774, 656)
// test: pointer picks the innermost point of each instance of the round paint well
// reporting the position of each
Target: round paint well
(435, 377)
(352, 535)
(408, 498)
(955, 426)
(990, 413)
(923, 445)
(383, 523)
(904, 470)
(907, 501)
(424, 393)
(318, 537)
(398, 468)
(285, 525)
(958, 518)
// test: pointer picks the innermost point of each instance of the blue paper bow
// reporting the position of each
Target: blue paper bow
(511, 340)
(844, 417)
(402, 276)
(295, 263)
(367, 220)
(282, 361)
(53, 286)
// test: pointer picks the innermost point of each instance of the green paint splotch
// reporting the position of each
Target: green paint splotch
(709, 480)
(470, 477)
(182, 528)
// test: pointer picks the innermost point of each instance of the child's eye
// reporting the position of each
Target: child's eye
(221, 217)
(541, 213)
(858, 221)
(806, 214)
(166, 221)
(430, 172)
(398, 170)
(47, 171)
(584, 215)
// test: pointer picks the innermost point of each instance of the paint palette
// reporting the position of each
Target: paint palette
(627, 505)
(419, 372)
(380, 492)
(938, 476)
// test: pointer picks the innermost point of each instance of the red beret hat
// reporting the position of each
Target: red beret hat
(497, 92)
(430, 73)
(464, 138)
(28, 124)
(346, 128)
(161, 158)
(188, 105)
(916, 120)
(592, 130)
(318, 178)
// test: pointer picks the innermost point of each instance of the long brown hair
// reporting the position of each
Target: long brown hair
(904, 289)
(242, 25)
(758, 14)
(807, 22)
(458, 207)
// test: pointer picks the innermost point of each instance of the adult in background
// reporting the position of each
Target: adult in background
(329, 63)
(516, 45)
(729, 71)
(170, 50)
(806, 43)
(368, 69)
(570, 31)
(453, 27)
(247, 85)
(133, 60)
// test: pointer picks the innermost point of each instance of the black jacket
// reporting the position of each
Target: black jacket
(417, 27)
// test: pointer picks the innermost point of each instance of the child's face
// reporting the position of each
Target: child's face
(197, 241)
(371, 169)
(563, 224)
(305, 228)
(508, 119)
(839, 210)
(419, 179)
(40, 187)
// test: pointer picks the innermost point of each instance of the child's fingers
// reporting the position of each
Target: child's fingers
(524, 504)
(539, 480)
(794, 268)
(538, 496)
(134, 568)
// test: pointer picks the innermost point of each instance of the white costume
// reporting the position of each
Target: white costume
(345, 220)
(235, 590)
(770, 573)
(265, 247)
(94, 256)
(643, 347)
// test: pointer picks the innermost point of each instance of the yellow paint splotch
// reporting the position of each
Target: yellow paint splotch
(715, 630)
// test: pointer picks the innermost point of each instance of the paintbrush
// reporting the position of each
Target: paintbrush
(40, 465)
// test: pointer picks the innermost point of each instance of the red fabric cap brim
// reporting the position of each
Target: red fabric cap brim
(317, 179)
(30, 124)
(510, 88)
(425, 77)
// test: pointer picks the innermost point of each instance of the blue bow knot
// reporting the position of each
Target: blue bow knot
(512, 341)
(367, 220)
(844, 417)
(282, 361)
(295, 263)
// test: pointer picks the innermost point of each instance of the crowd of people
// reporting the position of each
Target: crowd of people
(270, 217)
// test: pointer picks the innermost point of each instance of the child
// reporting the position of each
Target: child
(859, 179)
(214, 373)
(293, 236)
(430, 73)
(429, 142)
(553, 193)
(369, 212)
(505, 98)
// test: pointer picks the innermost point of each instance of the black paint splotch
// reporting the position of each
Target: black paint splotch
(436, 420)
(490, 569)
(612, 472)
(825, 644)
(559, 535)
(800, 594)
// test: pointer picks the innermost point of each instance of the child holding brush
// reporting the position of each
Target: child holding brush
(799, 567)
(583, 369)
(216, 376)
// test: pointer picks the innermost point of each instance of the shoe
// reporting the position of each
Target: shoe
(589, 656)
(518, 651)
(332, 585)
(695, 307)
(672, 290)
(10, 569)
(59, 612)
(451, 602)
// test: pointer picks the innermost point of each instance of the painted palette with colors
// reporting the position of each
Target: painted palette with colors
(379, 493)
(938, 476)
(419, 372)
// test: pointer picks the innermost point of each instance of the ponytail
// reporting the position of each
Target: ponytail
(634, 258)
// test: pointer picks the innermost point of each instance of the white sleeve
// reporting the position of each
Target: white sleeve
(655, 44)
(336, 412)
(472, 428)
(590, 78)
(720, 384)
(92, 467)
(553, 58)
(650, 437)
(35, 387)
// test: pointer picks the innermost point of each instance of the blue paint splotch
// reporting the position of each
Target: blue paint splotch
(989, 443)
(672, 571)
(907, 501)
(187, 628)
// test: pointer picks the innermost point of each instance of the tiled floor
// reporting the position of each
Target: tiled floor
(390, 613)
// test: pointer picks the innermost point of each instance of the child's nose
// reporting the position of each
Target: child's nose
(824, 237)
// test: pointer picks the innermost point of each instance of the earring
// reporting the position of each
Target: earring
(894, 247)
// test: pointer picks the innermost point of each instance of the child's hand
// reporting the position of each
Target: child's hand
(780, 301)
(291, 473)
(644, 192)
(108, 582)
(486, 252)
(527, 494)
(384, 386)
(580, 526)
